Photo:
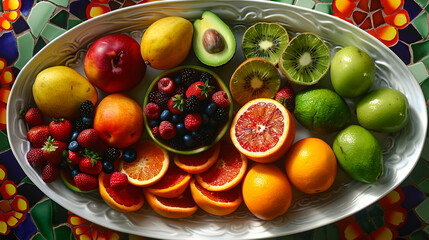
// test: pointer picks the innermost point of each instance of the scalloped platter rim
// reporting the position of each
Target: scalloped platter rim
(401, 150)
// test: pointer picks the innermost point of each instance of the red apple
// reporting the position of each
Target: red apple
(114, 63)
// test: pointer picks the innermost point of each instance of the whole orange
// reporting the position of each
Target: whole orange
(118, 120)
(311, 165)
(267, 192)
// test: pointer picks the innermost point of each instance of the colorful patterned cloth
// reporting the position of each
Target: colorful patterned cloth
(26, 26)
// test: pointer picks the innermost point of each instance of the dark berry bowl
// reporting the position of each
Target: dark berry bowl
(187, 109)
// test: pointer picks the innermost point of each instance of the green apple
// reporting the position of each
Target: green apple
(352, 72)
(383, 110)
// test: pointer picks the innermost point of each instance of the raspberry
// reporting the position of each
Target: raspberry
(118, 180)
(167, 130)
(193, 121)
(155, 132)
(166, 85)
(152, 110)
(221, 99)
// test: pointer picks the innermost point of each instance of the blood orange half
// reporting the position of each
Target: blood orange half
(263, 130)
(227, 172)
(198, 163)
(217, 203)
(179, 207)
(128, 199)
(172, 184)
(150, 165)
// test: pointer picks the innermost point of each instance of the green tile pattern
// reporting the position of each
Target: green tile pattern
(422, 2)
(39, 45)
(424, 186)
(73, 22)
(305, 3)
(50, 32)
(285, 1)
(421, 24)
(324, 7)
(60, 19)
(420, 50)
(419, 71)
(39, 16)
(62, 3)
(420, 172)
(25, 48)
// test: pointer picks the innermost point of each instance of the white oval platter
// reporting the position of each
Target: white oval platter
(401, 150)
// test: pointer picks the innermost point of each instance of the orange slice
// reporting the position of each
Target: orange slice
(150, 165)
(179, 207)
(198, 163)
(217, 203)
(263, 130)
(128, 199)
(227, 172)
(172, 184)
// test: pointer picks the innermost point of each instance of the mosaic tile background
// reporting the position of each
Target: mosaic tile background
(26, 26)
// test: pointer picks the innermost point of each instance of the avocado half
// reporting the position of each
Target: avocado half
(210, 21)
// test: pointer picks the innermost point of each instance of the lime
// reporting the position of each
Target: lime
(383, 110)
(352, 72)
(359, 153)
(321, 110)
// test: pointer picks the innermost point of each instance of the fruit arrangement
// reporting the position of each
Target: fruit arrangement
(172, 150)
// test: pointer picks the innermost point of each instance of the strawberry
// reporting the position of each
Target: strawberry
(166, 85)
(286, 97)
(220, 98)
(35, 157)
(53, 150)
(86, 182)
(50, 172)
(90, 162)
(38, 135)
(193, 121)
(60, 129)
(88, 138)
(118, 180)
(73, 158)
(34, 116)
(167, 130)
(176, 104)
(199, 89)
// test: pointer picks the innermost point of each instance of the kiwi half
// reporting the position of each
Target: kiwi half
(254, 78)
(266, 40)
(305, 60)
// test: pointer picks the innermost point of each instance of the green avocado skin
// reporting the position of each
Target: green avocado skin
(359, 153)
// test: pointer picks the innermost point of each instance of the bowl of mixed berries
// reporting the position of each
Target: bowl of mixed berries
(187, 109)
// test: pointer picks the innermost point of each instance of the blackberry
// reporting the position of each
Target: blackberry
(205, 76)
(180, 90)
(204, 136)
(176, 143)
(193, 104)
(111, 154)
(160, 98)
(80, 125)
(86, 108)
(189, 76)
(221, 115)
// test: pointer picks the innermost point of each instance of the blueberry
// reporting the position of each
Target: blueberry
(204, 119)
(129, 155)
(153, 123)
(189, 141)
(176, 118)
(211, 108)
(107, 167)
(178, 80)
(74, 146)
(87, 121)
(75, 172)
(181, 129)
(166, 115)
(74, 135)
